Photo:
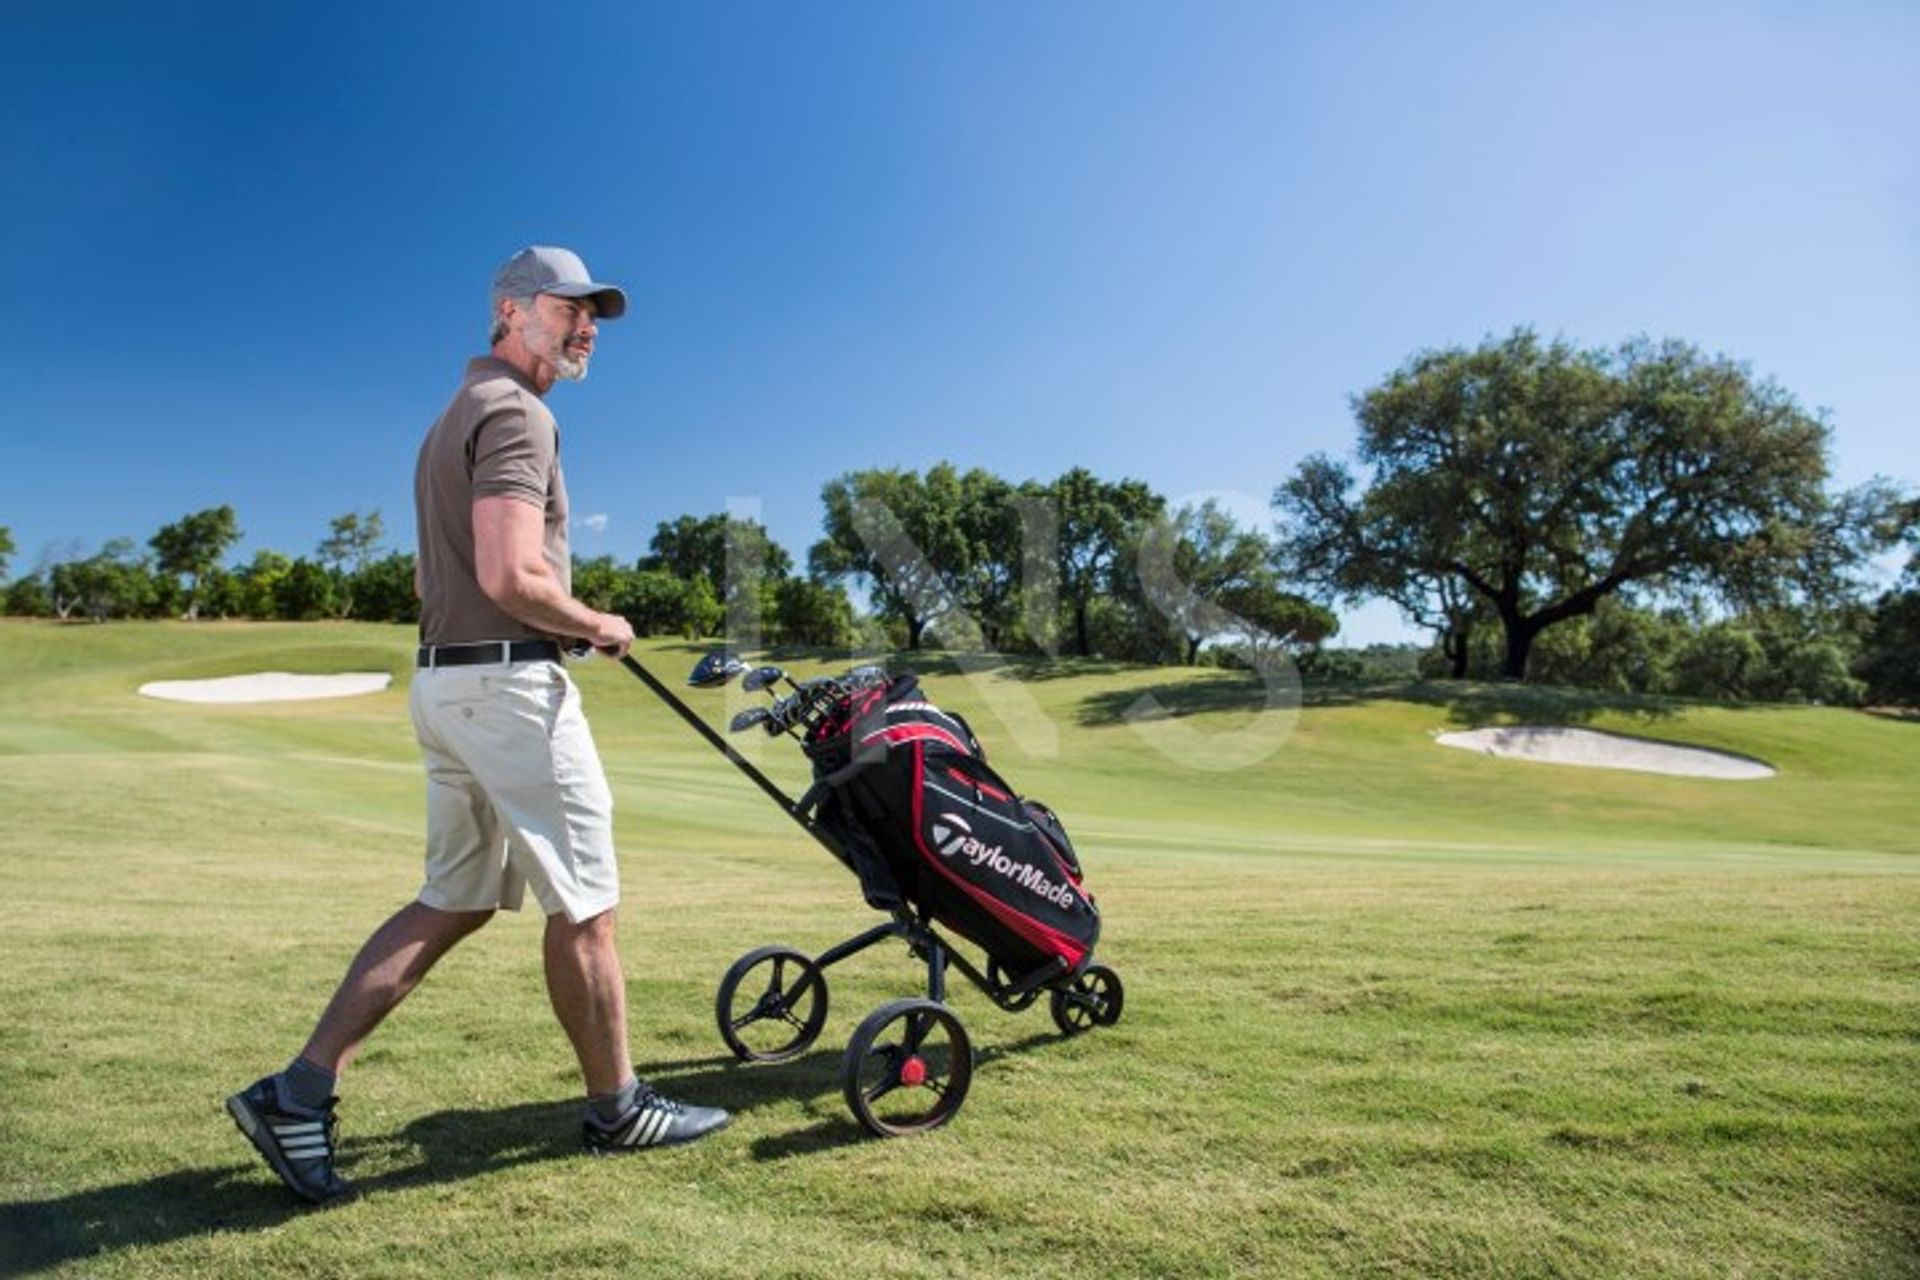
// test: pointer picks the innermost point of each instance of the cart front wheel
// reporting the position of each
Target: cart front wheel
(908, 1067)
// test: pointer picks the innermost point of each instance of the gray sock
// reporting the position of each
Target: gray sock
(305, 1085)
(609, 1107)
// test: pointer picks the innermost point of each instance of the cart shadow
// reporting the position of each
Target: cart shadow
(841, 1130)
(446, 1146)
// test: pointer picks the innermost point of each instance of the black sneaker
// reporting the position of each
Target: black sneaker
(652, 1121)
(297, 1143)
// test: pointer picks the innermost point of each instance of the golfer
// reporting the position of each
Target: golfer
(516, 797)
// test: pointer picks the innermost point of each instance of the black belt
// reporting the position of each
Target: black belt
(467, 655)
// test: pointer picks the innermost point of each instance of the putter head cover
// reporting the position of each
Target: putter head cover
(715, 669)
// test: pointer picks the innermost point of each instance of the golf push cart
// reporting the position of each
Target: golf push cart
(903, 797)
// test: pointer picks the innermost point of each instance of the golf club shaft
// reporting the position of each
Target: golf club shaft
(721, 745)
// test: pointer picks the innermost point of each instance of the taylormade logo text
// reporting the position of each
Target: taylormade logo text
(955, 839)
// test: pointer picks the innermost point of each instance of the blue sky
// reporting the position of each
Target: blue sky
(250, 244)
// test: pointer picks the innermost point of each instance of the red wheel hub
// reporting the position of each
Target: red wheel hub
(913, 1072)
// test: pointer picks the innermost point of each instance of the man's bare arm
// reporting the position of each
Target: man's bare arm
(512, 567)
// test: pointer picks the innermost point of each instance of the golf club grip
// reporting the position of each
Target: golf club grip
(721, 745)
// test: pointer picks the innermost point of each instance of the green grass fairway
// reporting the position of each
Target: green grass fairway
(1392, 1010)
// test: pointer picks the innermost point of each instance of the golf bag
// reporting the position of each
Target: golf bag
(906, 791)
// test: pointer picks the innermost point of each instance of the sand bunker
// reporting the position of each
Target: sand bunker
(268, 686)
(1557, 744)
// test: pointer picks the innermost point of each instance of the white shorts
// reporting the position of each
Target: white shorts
(515, 792)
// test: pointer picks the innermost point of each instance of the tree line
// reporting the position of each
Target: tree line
(1645, 518)
(960, 559)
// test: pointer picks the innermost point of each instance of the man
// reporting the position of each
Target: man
(516, 797)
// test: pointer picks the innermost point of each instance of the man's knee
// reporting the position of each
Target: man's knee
(590, 941)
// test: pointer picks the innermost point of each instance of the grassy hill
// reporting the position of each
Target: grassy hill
(1392, 1009)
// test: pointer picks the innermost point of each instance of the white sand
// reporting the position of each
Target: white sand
(1557, 744)
(268, 686)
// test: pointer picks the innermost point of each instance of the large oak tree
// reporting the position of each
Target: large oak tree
(1538, 479)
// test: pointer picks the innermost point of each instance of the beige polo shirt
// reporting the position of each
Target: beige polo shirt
(496, 437)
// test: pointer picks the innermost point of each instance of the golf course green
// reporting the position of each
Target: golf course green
(1391, 1009)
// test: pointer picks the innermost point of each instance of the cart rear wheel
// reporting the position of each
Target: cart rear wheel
(771, 1004)
(908, 1067)
(1094, 999)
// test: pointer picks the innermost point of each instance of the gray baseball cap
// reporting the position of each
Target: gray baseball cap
(542, 268)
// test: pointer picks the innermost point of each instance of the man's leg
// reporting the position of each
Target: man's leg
(289, 1117)
(589, 996)
(389, 966)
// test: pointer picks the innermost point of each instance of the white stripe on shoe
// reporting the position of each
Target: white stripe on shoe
(647, 1128)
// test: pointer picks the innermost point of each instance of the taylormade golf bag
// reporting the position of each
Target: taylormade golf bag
(924, 820)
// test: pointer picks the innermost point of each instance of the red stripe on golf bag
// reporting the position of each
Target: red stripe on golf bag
(958, 776)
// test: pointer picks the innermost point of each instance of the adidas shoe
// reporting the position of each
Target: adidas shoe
(298, 1144)
(652, 1121)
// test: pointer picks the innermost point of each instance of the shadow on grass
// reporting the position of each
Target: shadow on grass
(1468, 705)
(1238, 691)
(842, 1130)
(446, 1146)
(1475, 706)
(244, 1197)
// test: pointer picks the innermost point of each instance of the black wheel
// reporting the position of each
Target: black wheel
(999, 979)
(908, 1067)
(771, 1005)
(1093, 999)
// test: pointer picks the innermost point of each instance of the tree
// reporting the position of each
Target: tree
(894, 531)
(658, 602)
(1267, 619)
(383, 589)
(1542, 480)
(735, 557)
(1723, 660)
(305, 592)
(1889, 660)
(256, 585)
(27, 597)
(1188, 565)
(109, 584)
(346, 551)
(1100, 523)
(1617, 648)
(1890, 657)
(6, 550)
(1328, 548)
(810, 612)
(598, 583)
(193, 545)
